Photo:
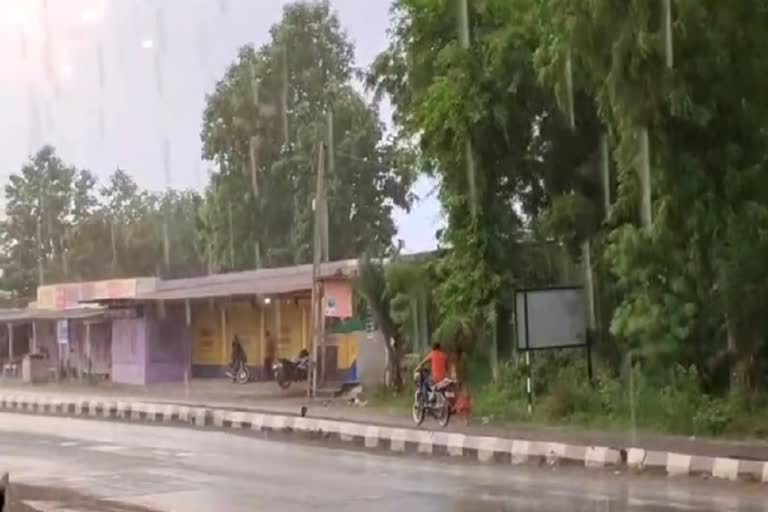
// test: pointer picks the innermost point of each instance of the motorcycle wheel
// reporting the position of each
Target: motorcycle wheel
(419, 408)
(442, 410)
(243, 375)
(282, 379)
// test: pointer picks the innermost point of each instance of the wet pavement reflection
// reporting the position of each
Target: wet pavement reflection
(163, 468)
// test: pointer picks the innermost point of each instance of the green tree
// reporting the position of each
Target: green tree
(411, 282)
(180, 210)
(523, 154)
(60, 225)
(372, 285)
(43, 203)
(684, 279)
(262, 127)
(141, 226)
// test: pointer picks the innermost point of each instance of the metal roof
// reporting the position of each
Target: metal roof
(29, 314)
(263, 282)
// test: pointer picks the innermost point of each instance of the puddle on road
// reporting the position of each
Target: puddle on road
(31, 498)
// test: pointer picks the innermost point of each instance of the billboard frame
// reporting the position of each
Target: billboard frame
(529, 351)
(527, 347)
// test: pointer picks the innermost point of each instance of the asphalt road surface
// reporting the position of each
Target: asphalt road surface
(70, 464)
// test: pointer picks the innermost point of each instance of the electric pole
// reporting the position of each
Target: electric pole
(464, 40)
(317, 313)
(331, 169)
(231, 238)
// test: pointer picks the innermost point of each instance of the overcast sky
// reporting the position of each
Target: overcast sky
(94, 92)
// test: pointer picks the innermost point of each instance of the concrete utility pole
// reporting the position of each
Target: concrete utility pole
(40, 254)
(284, 95)
(113, 240)
(646, 202)
(464, 39)
(331, 170)
(166, 243)
(317, 313)
(231, 238)
(65, 240)
(667, 23)
(605, 173)
(569, 91)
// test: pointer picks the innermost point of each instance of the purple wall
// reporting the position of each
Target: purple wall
(129, 351)
(151, 349)
(170, 345)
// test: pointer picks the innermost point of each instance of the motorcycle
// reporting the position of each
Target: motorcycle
(286, 371)
(436, 401)
(241, 374)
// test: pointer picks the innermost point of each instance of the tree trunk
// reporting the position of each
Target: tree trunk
(738, 360)
(396, 363)
(394, 360)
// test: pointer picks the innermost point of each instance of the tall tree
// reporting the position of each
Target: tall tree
(286, 89)
(61, 227)
(372, 285)
(137, 224)
(685, 276)
(40, 205)
(449, 95)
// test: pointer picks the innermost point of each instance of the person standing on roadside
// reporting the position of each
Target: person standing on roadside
(459, 372)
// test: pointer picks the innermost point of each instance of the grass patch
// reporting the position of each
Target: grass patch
(671, 403)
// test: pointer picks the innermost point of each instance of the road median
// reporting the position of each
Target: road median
(423, 442)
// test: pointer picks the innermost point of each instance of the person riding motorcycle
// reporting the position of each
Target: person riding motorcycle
(239, 357)
(302, 362)
(438, 362)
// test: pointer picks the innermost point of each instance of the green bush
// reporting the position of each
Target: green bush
(668, 402)
(558, 404)
(506, 398)
(713, 417)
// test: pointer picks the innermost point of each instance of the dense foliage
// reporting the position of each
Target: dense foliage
(680, 283)
(262, 127)
(523, 152)
(60, 226)
(517, 123)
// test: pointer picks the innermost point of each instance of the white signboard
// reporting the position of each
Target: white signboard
(62, 331)
(551, 318)
(330, 306)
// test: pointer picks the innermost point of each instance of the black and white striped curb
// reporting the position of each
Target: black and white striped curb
(400, 440)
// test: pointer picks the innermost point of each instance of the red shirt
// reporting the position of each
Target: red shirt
(439, 362)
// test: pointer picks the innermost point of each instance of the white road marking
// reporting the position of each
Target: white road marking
(106, 448)
(44, 506)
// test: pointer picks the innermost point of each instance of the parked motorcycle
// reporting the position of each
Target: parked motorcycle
(287, 371)
(241, 374)
(436, 401)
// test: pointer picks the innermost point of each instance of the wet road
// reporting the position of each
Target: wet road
(167, 469)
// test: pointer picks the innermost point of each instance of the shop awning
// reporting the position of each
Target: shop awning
(30, 314)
